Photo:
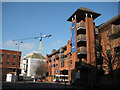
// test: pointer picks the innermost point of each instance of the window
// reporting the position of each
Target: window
(19, 57)
(7, 62)
(98, 66)
(1, 55)
(53, 65)
(8, 56)
(70, 62)
(14, 56)
(14, 63)
(1, 62)
(117, 51)
(64, 57)
(109, 54)
(98, 54)
(62, 63)
(52, 59)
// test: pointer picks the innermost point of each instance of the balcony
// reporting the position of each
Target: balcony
(80, 25)
(81, 50)
(114, 31)
(81, 37)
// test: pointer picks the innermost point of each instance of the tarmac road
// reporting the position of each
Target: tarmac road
(35, 86)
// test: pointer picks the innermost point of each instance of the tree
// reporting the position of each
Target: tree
(41, 69)
(110, 49)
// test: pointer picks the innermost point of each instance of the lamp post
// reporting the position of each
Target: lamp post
(17, 57)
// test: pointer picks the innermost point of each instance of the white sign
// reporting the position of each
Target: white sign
(9, 78)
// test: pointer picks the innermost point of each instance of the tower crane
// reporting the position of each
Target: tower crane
(40, 40)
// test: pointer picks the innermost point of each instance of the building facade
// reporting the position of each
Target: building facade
(82, 46)
(110, 43)
(83, 55)
(58, 61)
(30, 63)
(9, 62)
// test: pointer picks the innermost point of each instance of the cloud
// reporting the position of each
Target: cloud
(24, 47)
(27, 46)
(58, 43)
(8, 44)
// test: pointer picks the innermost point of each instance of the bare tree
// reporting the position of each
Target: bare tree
(41, 69)
(110, 50)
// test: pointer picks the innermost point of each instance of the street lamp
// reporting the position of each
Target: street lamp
(18, 44)
(17, 57)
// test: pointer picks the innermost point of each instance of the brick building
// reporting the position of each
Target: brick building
(110, 42)
(60, 60)
(83, 53)
(9, 62)
(81, 47)
(84, 40)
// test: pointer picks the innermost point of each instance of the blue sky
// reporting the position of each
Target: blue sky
(29, 19)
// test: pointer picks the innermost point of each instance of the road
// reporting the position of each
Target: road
(46, 86)
(35, 86)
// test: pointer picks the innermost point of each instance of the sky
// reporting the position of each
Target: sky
(28, 19)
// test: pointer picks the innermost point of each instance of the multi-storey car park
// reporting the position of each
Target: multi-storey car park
(82, 54)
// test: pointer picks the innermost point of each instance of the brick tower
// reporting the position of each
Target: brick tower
(83, 35)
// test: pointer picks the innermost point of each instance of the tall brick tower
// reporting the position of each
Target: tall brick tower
(83, 35)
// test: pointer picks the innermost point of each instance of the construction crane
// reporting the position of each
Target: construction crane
(40, 40)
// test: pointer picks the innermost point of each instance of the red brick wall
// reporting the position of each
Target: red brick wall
(11, 59)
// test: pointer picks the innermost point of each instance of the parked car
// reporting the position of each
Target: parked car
(40, 80)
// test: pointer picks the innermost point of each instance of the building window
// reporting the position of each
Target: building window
(7, 62)
(1, 55)
(62, 63)
(53, 65)
(19, 57)
(56, 64)
(70, 63)
(63, 56)
(14, 56)
(99, 67)
(8, 56)
(117, 51)
(98, 54)
(14, 63)
(1, 62)
(109, 56)
(53, 62)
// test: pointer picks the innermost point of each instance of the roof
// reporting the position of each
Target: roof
(9, 50)
(114, 20)
(34, 55)
(80, 14)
